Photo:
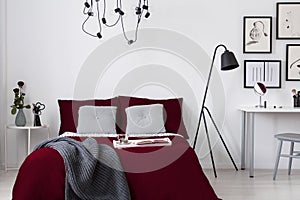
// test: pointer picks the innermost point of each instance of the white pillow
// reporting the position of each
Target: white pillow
(97, 119)
(145, 119)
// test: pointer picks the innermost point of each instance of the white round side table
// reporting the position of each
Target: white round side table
(28, 128)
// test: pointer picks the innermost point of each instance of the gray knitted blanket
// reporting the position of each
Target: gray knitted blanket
(93, 171)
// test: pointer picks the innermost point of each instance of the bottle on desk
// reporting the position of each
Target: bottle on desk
(296, 98)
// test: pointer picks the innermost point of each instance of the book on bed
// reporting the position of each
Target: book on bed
(142, 143)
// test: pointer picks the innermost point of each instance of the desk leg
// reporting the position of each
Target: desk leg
(251, 145)
(243, 146)
(28, 142)
(5, 148)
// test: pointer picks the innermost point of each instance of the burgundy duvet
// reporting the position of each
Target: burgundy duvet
(153, 173)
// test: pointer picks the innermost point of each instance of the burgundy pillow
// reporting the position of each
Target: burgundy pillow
(69, 111)
(172, 112)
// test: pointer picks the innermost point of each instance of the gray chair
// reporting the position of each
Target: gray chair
(288, 137)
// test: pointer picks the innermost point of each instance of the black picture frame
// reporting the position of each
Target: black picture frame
(257, 34)
(288, 20)
(293, 62)
(267, 72)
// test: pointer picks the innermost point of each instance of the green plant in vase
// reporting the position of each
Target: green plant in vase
(18, 104)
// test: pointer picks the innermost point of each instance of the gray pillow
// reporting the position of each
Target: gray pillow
(145, 119)
(97, 119)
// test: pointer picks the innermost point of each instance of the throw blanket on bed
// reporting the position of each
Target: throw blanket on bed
(93, 171)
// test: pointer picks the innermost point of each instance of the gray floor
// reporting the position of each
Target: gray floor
(230, 185)
(7, 180)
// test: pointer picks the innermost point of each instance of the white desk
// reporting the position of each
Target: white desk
(248, 113)
(26, 127)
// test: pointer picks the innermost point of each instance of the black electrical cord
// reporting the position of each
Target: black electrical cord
(83, 29)
(104, 13)
(131, 41)
(88, 10)
(99, 22)
(89, 13)
(146, 7)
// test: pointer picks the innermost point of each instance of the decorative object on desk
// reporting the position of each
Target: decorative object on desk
(257, 34)
(264, 71)
(265, 104)
(228, 62)
(138, 11)
(18, 104)
(37, 111)
(293, 62)
(260, 89)
(287, 24)
(296, 97)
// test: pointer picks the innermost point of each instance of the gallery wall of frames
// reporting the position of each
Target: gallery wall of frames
(257, 39)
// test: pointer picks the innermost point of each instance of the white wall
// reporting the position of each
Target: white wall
(47, 49)
(3, 78)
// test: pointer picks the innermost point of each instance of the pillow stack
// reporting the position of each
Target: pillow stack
(131, 115)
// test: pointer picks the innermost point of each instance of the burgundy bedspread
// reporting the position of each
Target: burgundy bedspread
(160, 173)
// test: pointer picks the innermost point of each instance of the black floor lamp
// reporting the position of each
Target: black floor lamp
(228, 62)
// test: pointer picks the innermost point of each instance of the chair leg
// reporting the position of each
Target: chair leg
(290, 159)
(277, 159)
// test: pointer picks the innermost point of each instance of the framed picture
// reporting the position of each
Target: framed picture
(257, 34)
(267, 72)
(293, 62)
(288, 20)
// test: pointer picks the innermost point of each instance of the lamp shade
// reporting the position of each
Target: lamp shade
(228, 61)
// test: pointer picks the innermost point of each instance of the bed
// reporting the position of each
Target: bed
(152, 172)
